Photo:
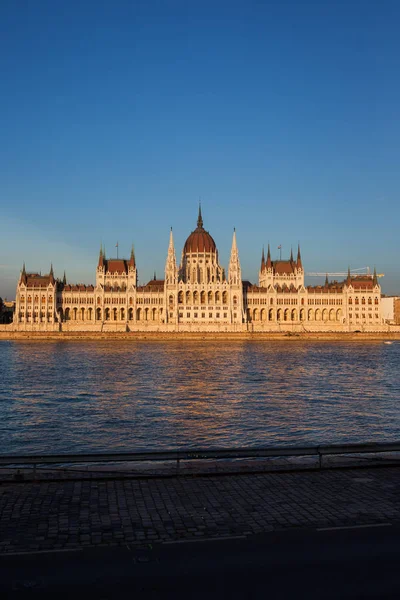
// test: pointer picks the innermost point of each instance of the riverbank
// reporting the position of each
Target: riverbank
(74, 514)
(162, 336)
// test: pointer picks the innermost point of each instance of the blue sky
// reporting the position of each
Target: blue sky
(115, 117)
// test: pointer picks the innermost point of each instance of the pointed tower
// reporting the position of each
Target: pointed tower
(234, 272)
(132, 260)
(348, 280)
(265, 276)
(298, 262)
(375, 278)
(101, 268)
(101, 257)
(200, 218)
(235, 283)
(291, 254)
(64, 279)
(171, 271)
(51, 274)
(262, 261)
(132, 269)
(326, 280)
(23, 278)
(268, 264)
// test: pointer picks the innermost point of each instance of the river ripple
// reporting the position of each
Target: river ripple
(73, 396)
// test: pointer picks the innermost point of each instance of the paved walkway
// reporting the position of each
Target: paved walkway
(72, 514)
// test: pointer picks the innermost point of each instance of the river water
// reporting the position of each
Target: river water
(72, 396)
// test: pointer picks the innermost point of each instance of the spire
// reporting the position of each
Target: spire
(234, 273)
(64, 279)
(101, 257)
(268, 263)
(199, 218)
(348, 281)
(23, 273)
(291, 254)
(262, 260)
(155, 277)
(132, 261)
(299, 263)
(170, 265)
(51, 274)
(375, 278)
(326, 280)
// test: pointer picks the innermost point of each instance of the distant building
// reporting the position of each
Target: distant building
(388, 309)
(198, 295)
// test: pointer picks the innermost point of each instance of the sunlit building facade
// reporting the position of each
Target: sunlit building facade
(198, 295)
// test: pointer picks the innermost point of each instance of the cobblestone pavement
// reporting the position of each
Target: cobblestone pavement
(72, 514)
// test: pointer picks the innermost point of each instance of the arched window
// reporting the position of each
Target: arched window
(202, 297)
(302, 314)
(363, 300)
(356, 300)
(122, 314)
(195, 297)
(376, 300)
(180, 297)
(224, 297)
(130, 300)
(107, 314)
(235, 301)
(294, 315)
(370, 300)
(139, 314)
(171, 301)
(210, 298)
(217, 297)
(130, 312)
(350, 300)
(286, 314)
(271, 314)
(98, 300)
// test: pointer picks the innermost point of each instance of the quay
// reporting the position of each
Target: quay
(72, 514)
(314, 534)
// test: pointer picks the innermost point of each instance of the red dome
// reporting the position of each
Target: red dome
(199, 240)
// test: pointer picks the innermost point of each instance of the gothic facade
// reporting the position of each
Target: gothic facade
(198, 295)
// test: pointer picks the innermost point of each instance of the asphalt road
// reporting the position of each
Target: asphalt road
(339, 563)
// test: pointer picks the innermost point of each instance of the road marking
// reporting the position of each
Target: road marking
(354, 526)
(216, 539)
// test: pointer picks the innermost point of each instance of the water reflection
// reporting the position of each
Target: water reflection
(108, 395)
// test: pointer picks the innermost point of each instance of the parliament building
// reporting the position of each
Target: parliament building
(198, 295)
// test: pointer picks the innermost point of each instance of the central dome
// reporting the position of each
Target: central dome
(199, 240)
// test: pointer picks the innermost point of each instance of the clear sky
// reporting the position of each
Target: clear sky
(116, 116)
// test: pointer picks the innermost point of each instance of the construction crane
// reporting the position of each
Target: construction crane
(353, 272)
